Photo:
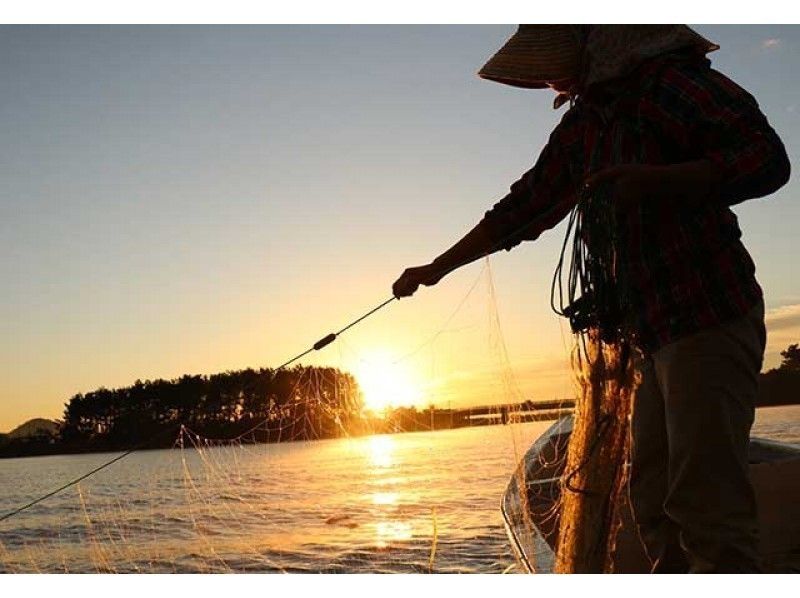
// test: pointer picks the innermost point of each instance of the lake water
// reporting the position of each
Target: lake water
(396, 503)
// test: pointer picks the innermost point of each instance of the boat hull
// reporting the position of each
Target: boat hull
(531, 501)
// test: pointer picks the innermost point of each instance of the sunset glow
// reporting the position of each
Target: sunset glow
(306, 294)
(386, 384)
(270, 186)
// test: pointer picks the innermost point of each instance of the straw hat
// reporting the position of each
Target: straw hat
(538, 54)
(535, 55)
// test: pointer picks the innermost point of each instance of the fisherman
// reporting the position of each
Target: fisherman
(676, 144)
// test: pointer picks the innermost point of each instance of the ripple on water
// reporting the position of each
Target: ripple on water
(355, 505)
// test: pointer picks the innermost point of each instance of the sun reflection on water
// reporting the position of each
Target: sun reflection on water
(387, 532)
(381, 451)
(388, 529)
(385, 498)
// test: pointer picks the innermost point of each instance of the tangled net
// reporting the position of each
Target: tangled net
(595, 301)
(595, 474)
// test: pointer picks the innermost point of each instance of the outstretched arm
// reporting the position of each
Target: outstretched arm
(536, 202)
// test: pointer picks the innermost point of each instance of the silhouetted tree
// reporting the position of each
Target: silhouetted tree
(292, 404)
(791, 357)
(781, 386)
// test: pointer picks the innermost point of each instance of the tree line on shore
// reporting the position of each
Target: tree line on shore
(300, 403)
(781, 385)
(291, 404)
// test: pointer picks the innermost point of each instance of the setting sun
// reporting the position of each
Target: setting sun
(386, 384)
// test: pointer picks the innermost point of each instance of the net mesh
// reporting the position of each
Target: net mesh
(316, 484)
(595, 472)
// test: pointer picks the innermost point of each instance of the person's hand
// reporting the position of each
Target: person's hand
(409, 281)
(629, 183)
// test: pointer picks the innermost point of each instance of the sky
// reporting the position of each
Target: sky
(199, 199)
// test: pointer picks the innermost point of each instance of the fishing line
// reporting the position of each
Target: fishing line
(77, 480)
(320, 344)
(444, 327)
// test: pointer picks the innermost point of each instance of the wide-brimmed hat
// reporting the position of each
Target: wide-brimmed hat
(536, 55)
(540, 54)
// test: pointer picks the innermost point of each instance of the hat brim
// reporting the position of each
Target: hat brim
(533, 57)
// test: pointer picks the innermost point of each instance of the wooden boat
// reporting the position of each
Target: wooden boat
(530, 505)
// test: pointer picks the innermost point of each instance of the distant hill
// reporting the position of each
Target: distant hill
(34, 427)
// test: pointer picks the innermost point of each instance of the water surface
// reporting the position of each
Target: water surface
(392, 503)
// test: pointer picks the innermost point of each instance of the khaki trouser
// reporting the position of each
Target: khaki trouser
(692, 499)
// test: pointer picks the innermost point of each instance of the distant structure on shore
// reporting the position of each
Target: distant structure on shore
(410, 419)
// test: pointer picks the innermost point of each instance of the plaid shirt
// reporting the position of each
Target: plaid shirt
(687, 267)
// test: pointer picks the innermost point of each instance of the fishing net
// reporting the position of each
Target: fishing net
(595, 472)
(595, 298)
(291, 471)
(310, 481)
